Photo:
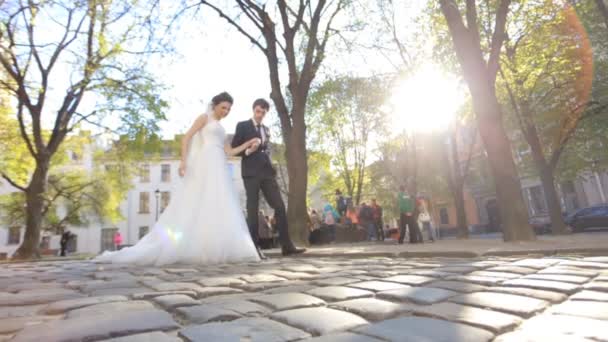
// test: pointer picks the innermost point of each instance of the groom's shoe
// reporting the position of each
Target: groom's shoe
(293, 251)
(262, 256)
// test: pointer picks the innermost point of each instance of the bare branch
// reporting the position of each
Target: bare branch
(13, 183)
(498, 38)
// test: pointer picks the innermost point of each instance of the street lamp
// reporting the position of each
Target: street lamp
(157, 195)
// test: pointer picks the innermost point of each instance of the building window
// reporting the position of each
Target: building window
(143, 231)
(443, 216)
(14, 235)
(537, 199)
(144, 173)
(165, 197)
(144, 202)
(165, 175)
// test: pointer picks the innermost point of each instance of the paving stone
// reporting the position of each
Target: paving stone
(176, 286)
(257, 287)
(243, 307)
(376, 286)
(457, 269)
(286, 301)
(417, 329)
(20, 311)
(544, 285)
(554, 297)
(101, 285)
(336, 281)
(339, 293)
(156, 336)
(170, 302)
(319, 321)
(216, 291)
(558, 277)
(536, 336)
(373, 309)
(344, 337)
(122, 291)
(289, 275)
(597, 286)
(595, 310)
(418, 295)
(71, 304)
(303, 268)
(597, 259)
(290, 288)
(457, 286)
(149, 295)
(245, 329)
(16, 287)
(585, 264)
(103, 326)
(30, 297)
(110, 308)
(512, 269)
(490, 320)
(220, 281)
(535, 263)
(569, 271)
(410, 279)
(478, 279)
(433, 273)
(14, 324)
(206, 313)
(495, 274)
(262, 278)
(595, 296)
(518, 305)
(229, 297)
(573, 327)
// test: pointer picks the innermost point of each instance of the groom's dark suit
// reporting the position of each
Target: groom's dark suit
(259, 174)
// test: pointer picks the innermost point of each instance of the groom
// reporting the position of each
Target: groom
(259, 174)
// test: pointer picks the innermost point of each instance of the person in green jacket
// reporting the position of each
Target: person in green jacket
(407, 217)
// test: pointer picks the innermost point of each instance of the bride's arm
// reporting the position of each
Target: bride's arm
(199, 123)
(234, 151)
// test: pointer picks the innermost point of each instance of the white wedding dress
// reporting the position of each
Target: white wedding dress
(204, 222)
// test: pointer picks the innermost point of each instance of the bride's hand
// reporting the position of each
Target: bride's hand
(253, 142)
(182, 169)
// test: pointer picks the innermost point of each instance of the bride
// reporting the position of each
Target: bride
(203, 223)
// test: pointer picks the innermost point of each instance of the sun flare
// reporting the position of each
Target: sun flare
(425, 102)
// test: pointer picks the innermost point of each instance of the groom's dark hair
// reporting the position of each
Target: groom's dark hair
(262, 103)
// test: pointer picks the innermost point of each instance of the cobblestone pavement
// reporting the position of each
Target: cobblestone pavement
(318, 299)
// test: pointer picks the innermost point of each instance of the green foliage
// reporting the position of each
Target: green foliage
(346, 115)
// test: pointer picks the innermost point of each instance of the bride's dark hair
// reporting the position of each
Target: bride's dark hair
(222, 97)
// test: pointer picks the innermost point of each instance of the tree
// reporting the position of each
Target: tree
(547, 72)
(349, 116)
(103, 45)
(601, 5)
(480, 76)
(296, 36)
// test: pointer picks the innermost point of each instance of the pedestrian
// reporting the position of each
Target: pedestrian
(407, 217)
(378, 221)
(341, 204)
(117, 241)
(330, 218)
(65, 239)
(366, 216)
(424, 219)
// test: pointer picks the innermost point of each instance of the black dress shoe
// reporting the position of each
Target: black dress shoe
(293, 251)
(262, 256)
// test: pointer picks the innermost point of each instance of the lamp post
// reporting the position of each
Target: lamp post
(157, 195)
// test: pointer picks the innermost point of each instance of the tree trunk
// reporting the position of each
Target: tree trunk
(33, 216)
(555, 209)
(457, 185)
(506, 180)
(297, 169)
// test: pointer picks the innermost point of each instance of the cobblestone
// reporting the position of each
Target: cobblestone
(522, 298)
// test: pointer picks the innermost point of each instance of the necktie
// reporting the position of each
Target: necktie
(258, 128)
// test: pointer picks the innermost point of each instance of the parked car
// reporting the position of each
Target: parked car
(541, 224)
(591, 217)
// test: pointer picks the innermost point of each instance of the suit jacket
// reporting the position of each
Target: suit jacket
(258, 163)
